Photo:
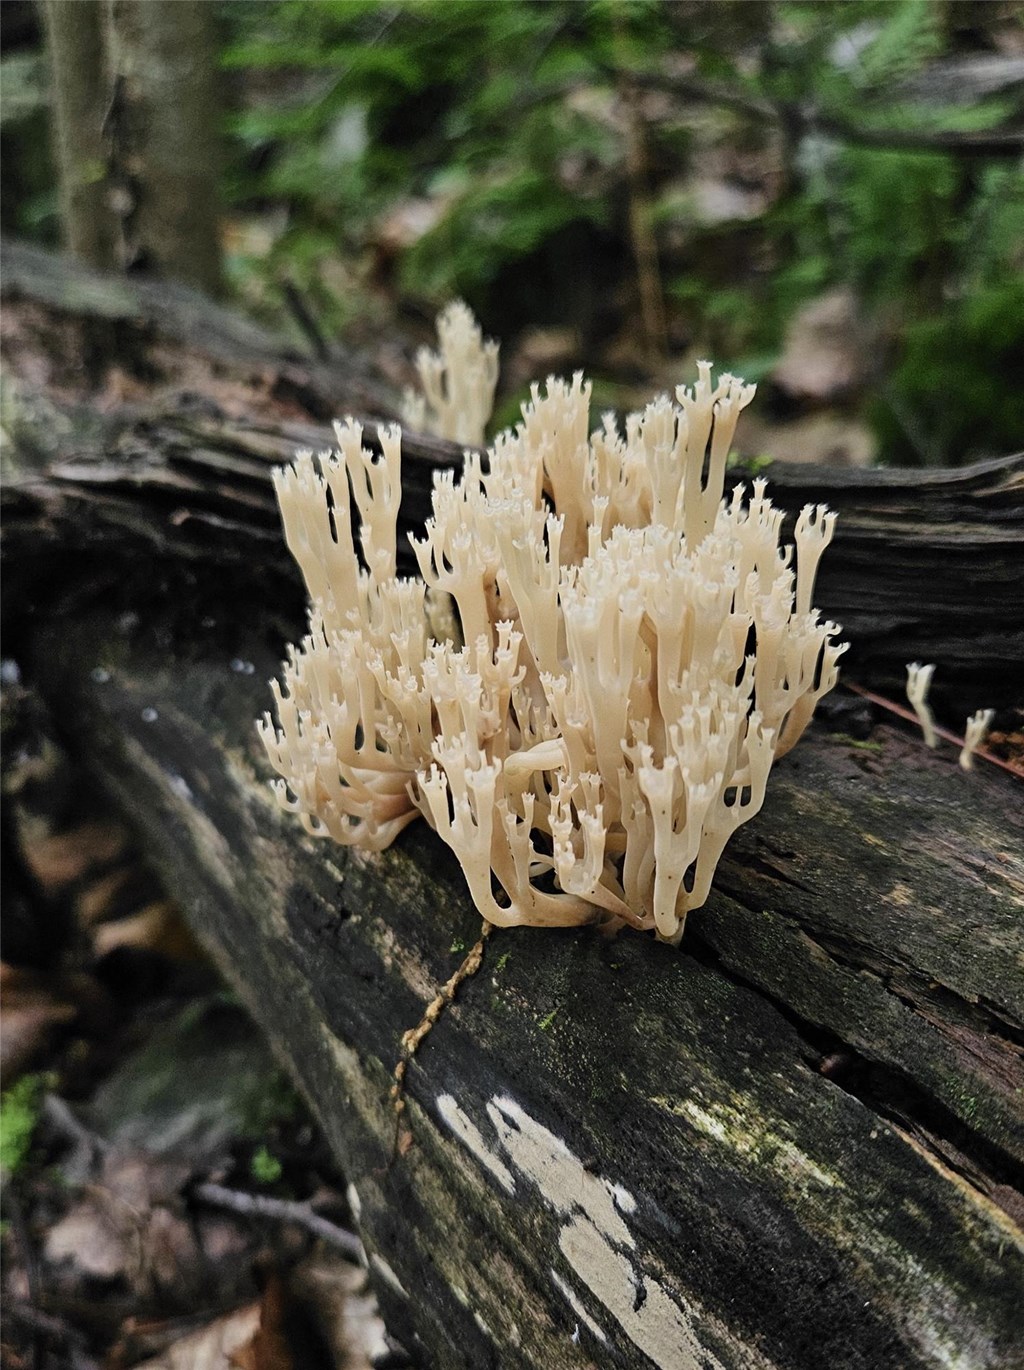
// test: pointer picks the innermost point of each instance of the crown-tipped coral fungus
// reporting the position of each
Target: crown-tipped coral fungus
(585, 688)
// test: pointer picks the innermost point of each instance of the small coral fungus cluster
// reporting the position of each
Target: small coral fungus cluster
(585, 689)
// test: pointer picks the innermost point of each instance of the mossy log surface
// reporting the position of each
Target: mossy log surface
(795, 1142)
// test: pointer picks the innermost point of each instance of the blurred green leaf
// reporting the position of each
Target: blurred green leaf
(24, 87)
(19, 1114)
(264, 1167)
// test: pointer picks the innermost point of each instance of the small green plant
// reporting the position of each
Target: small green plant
(861, 745)
(264, 1167)
(19, 1114)
(748, 466)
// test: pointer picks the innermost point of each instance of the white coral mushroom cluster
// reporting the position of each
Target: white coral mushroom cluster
(633, 652)
(458, 381)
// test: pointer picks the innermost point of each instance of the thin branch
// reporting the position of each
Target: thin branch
(988, 143)
(54, 1329)
(641, 231)
(992, 143)
(304, 317)
(88, 1145)
(61, 1118)
(30, 1265)
(285, 1211)
(414, 1036)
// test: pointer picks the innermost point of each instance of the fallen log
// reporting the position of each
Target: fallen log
(794, 1142)
(926, 564)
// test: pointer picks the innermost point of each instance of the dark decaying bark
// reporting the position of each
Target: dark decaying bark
(795, 1142)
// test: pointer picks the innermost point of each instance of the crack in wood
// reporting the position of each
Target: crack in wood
(892, 1095)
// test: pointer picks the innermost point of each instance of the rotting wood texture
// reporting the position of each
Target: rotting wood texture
(795, 1142)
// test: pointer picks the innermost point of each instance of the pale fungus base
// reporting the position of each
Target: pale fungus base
(638, 650)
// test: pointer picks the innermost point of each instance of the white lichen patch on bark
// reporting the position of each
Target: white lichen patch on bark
(557, 1173)
(594, 1239)
(728, 1126)
(852, 1222)
(355, 1089)
(381, 1266)
(569, 1294)
(662, 1328)
(473, 1140)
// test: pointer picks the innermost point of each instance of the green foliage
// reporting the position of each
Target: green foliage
(264, 1167)
(381, 104)
(22, 87)
(487, 226)
(19, 1114)
(748, 466)
(28, 204)
(908, 36)
(858, 744)
(381, 146)
(953, 391)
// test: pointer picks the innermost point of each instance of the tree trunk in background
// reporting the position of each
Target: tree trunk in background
(81, 97)
(165, 134)
(137, 136)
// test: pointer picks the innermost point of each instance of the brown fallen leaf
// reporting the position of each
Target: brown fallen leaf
(113, 894)
(34, 1005)
(141, 1338)
(158, 927)
(90, 1238)
(125, 1226)
(340, 1300)
(268, 1348)
(824, 437)
(60, 859)
(212, 1347)
(826, 352)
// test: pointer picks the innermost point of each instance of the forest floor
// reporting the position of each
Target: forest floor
(168, 1202)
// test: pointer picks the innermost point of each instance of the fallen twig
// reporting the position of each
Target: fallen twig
(282, 1210)
(414, 1036)
(804, 119)
(306, 320)
(89, 1146)
(54, 1329)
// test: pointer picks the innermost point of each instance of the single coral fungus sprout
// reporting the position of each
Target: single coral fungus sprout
(585, 688)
